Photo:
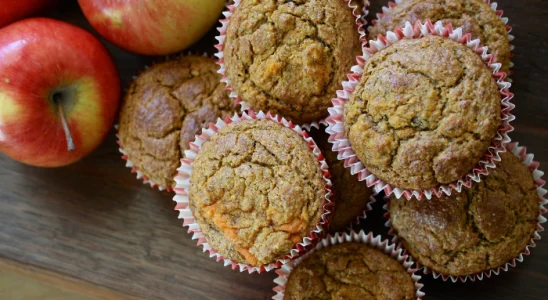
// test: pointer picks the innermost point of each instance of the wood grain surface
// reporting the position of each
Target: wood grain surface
(95, 223)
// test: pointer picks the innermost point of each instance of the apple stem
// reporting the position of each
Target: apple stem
(68, 134)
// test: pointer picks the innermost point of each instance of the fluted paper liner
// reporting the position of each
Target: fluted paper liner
(221, 38)
(316, 125)
(336, 113)
(183, 186)
(361, 237)
(363, 215)
(527, 160)
(491, 4)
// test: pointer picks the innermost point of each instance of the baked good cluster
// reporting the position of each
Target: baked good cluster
(309, 115)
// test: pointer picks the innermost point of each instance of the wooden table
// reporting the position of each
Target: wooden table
(92, 227)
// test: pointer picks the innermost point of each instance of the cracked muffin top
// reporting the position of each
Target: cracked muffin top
(473, 231)
(351, 194)
(290, 57)
(423, 113)
(257, 190)
(164, 108)
(474, 16)
(349, 271)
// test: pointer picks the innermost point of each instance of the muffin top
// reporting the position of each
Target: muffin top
(473, 231)
(290, 57)
(474, 16)
(351, 194)
(257, 190)
(423, 113)
(164, 108)
(349, 271)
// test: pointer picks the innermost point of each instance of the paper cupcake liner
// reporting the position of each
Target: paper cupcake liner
(129, 163)
(371, 200)
(364, 12)
(316, 125)
(360, 218)
(361, 237)
(183, 186)
(336, 113)
(527, 160)
(491, 4)
(221, 38)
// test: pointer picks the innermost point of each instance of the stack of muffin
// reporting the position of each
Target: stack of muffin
(424, 114)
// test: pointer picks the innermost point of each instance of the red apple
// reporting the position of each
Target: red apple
(13, 10)
(152, 27)
(54, 74)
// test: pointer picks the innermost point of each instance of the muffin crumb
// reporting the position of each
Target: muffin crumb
(163, 110)
(349, 271)
(257, 190)
(416, 124)
(290, 57)
(474, 16)
(473, 231)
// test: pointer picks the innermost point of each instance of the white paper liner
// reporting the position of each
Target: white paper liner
(129, 163)
(336, 119)
(493, 5)
(527, 160)
(360, 237)
(316, 125)
(371, 199)
(360, 218)
(183, 185)
(364, 12)
(360, 19)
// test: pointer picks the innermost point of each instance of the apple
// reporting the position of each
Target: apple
(59, 92)
(152, 27)
(13, 10)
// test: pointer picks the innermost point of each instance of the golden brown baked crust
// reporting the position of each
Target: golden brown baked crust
(290, 57)
(164, 108)
(423, 113)
(257, 190)
(349, 271)
(476, 230)
(351, 195)
(475, 16)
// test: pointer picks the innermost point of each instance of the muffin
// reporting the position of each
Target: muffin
(474, 16)
(423, 113)
(352, 195)
(256, 191)
(164, 108)
(290, 57)
(477, 230)
(349, 271)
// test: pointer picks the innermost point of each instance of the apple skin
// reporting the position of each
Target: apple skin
(152, 27)
(14, 10)
(40, 57)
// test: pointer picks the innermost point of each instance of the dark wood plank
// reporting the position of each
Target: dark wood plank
(41, 281)
(93, 221)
